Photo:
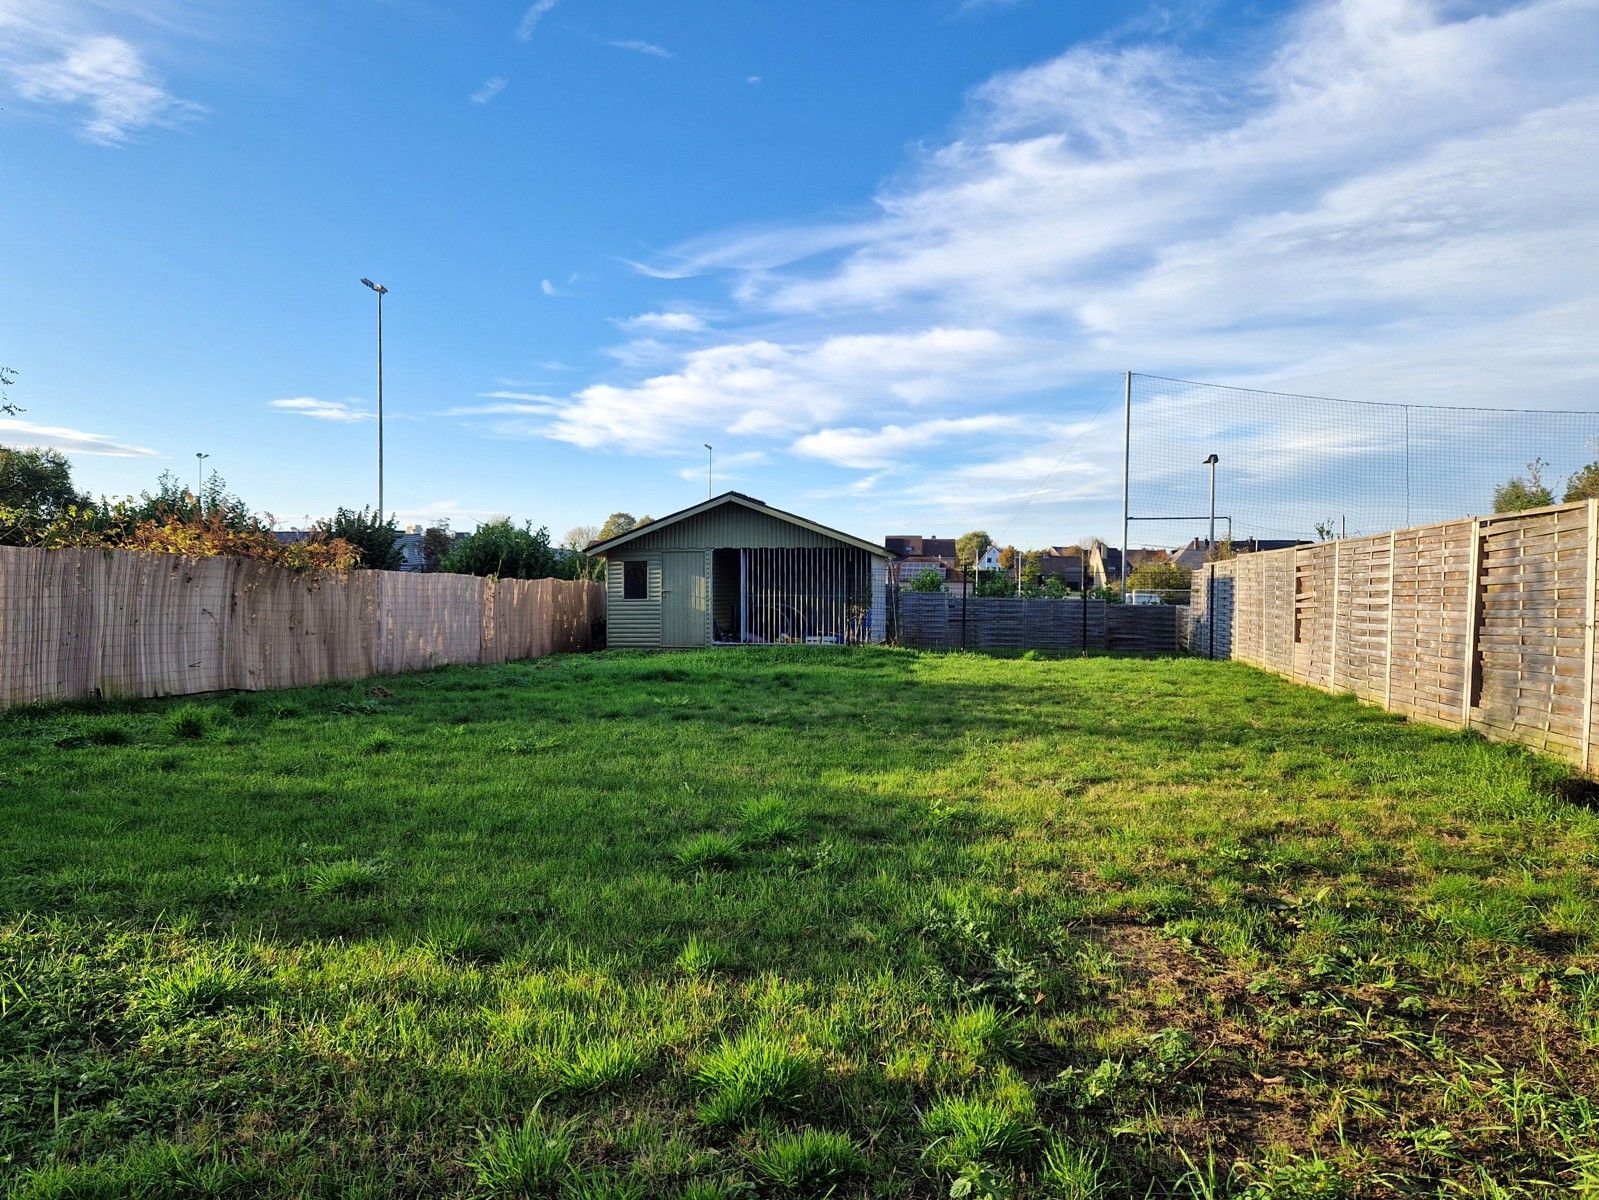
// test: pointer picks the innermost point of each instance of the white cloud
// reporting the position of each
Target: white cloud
(1386, 199)
(876, 448)
(491, 87)
(548, 288)
(534, 13)
(638, 46)
(665, 322)
(106, 77)
(69, 441)
(752, 80)
(322, 410)
(761, 388)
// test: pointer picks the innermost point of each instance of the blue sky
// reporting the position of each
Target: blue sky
(890, 258)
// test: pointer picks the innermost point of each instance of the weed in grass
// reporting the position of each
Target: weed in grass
(965, 1130)
(810, 1162)
(742, 1076)
(345, 877)
(381, 742)
(1308, 1178)
(983, 1032)
(190, 721)
(722, 1188)
(708, 851)
(532, 1160)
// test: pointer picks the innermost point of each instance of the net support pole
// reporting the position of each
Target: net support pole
(1127, 458)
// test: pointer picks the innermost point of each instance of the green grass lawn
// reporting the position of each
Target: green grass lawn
(797, 922)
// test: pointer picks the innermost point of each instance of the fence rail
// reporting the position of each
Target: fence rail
(1485, 623)
(949, 621)
(76, 624)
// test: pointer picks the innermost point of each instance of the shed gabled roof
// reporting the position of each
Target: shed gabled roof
(741, 499)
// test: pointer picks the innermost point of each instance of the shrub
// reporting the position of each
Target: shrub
(500, 548)
(925, 581)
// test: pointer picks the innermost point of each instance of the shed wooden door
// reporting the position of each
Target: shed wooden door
(685, 600)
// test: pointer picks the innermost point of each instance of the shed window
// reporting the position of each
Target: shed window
(635, 581)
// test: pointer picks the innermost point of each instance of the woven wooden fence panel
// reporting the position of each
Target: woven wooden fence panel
(76, 624)
(1485, 623)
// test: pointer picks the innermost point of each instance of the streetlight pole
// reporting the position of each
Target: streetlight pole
(709, 455)
(381, 292)
(199, 480)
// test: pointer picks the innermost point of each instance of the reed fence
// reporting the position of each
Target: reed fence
(78, 624)
(1484, 623)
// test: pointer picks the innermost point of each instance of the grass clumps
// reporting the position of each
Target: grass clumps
(599, 1066)
(709, 851)
(964, 1130)
(808, 1163)
(742, 1076)
(189, 721)
(344, 877)
(529, 1161)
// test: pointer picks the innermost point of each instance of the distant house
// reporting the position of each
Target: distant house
(1197, 552)
(914, 554)
(988, 560)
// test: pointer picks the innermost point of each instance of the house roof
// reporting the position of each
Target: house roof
(744, 501)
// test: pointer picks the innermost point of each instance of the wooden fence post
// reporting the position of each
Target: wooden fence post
(1388, 637)
(1332, 664)
(1588, 638)
(1473, 618)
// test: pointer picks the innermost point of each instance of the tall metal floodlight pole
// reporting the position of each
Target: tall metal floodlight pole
(708, 473)
(1127, 458)
(381, 292)
(199, 479)
(1211, 463)
(1210, 581)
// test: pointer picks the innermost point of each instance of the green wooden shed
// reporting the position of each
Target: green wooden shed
(736, 571)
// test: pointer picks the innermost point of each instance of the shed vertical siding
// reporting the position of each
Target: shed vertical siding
(731, 525)
(632, 622)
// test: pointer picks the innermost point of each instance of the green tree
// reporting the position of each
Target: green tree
(501, 548)
(1055, 588)
(1159, 577)
(437, 541)
(377, 540)
(617, 524)
(969, 547)
(1584, 485)
(995, 583)
(1524, 491)
(928, 580)
(38, 482)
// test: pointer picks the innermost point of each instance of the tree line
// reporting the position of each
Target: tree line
(1522, 492)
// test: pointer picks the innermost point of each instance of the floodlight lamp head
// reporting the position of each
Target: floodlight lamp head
(1210, 462)
(376, 287)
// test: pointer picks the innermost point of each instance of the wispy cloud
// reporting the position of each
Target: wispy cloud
(638, 46)
(752, 80)
(64, 61)
(322, 410)
(548, 288)
(664, 322)
(531, 17)
(727, 466)
(491, 87)
(69, 441)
